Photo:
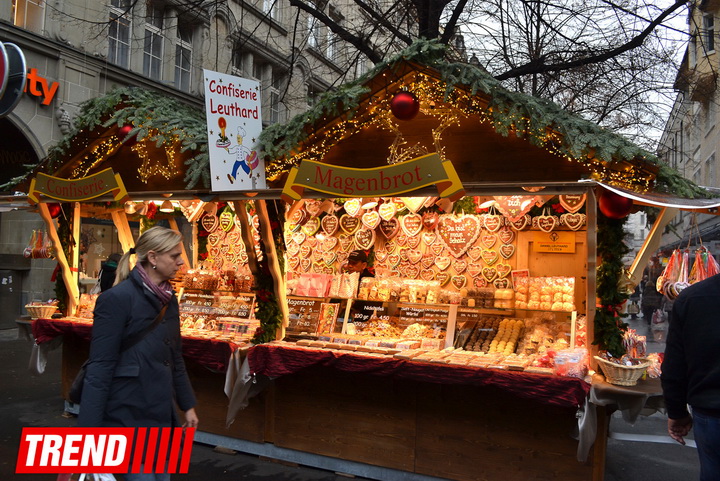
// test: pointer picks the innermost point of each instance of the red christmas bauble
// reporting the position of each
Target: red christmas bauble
(405, 106)
(123, 132)
(54, 209)
(613, 205)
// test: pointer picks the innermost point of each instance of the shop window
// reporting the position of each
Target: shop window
(153, 46)
(119, 34)
(29, 14)
(183, 57)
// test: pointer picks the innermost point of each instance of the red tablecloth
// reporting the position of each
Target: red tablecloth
(279, 360)
(214, 355)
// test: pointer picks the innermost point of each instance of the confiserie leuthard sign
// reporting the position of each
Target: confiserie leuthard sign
(75, 190)
(382, 181)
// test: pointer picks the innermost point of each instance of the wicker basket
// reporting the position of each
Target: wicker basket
(40, 311)
(622, 375)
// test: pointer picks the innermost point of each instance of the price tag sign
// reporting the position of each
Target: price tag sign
(304, 314)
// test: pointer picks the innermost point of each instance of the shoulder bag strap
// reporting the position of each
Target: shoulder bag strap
(131, 341)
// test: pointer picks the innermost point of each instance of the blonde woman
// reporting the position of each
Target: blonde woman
(140, 385)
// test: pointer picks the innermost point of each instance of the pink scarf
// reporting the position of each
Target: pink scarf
(163, 291)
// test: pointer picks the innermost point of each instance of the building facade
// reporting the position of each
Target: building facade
(77, 50)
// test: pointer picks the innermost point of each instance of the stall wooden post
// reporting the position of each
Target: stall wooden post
(76, 238)
(651, 244)
(591, 284)
(273, 261)
(123, 227)
(67, 275)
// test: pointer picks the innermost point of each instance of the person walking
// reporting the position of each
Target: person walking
(691, 372)
(108, 270)
(651, 298)
(139, 386)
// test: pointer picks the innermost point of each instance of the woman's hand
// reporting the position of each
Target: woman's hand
(191, 419)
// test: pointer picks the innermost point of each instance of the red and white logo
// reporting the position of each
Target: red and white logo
(104, 450)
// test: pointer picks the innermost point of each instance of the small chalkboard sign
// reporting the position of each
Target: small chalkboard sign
(410, 314)
(240, 305)
(304, 314)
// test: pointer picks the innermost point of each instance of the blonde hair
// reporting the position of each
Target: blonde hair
(157, 239)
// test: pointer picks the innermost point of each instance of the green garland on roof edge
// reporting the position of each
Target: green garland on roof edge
(611, 248)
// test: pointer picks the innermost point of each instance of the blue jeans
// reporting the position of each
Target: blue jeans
(147, 476)
(707, 437)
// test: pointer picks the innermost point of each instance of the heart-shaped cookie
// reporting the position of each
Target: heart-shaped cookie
(480, 282)
(572, 202)
(506, 235)
(312, 206)
(214, 238)
(489, 273)
(427, 275)
(430, 220)
(329, 270)
(387, 210)
(349, 224)
(573, 221)
(442, 278)
(429, 238)
(365, 239)
(413, 204)
(294, 262)
(390, 246)
(311, 226)
(329, 243)
(458, 232)
(522, 223)
(413, 242)
(490, 257)
(411, 224)
(310, 240)
(292, 250)
(503, 269)
(475, 252)
(501, 283)
(459, 265)
(318, 267)
(412, 271)
(380, 255)
(459, 281)
(393, 260)
(427, 262)
(414, 255)
(352, 207)
(329, 258)
(493, 222)
(305, 264)
(507, 250)
(345, 242)
(299, 217)
(436, 249)
(305, 250)
(371, 219)
(442, 262)
(209, 222)
(474, 269)
(389, 228)
(401, 239)
(299, 237)
(546, 223)
(330, 224)
(488, 240)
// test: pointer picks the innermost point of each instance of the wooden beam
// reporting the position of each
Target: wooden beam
(174, 226)
(67, 274)
(266, 234)
(651, 244)
(123, 227)
(76, 221)
(592, 259)
(247, 237)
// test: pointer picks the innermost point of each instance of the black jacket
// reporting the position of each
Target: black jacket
(140, 386)
(691, 369)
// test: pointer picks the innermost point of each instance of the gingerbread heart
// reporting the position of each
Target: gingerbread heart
(493, 222)
(522, 223)
(490, 257)
(330, 224)
(311, 226)
(353, 207)
(427, 275)
(488, 240)
(414, 255)
(390, 246)
(329, 258)
(312, 241)
(371, 219)
(349, 224)
(401, 239)
(318, 268)
(312, 206)
(489, 273)
(459, 281)
(293, 250)
(436, 249)
(442, 278)
(572, 202)
(546, 223)
(429, 238)
(411, 224)
(305, 264)
(430, 220)
(299, 217)
(317, 255)
(460, 265)
(305, 250)
(294, 262)
(299, 237)
(389, 228)
(503, 269)
(507, 250)
(427, 262)
(381, 255)
(413, 242)
(573, 221)
(234, 237)
(412, 271)
(474, 269)
(413, 204)
(458, 232)
(393, 260)
(501, 283)
(387, 210)
(480, 282)
(214, 238)
(329, 270)
(442, 262)
(329, 243)
(365, 239)
(345, 242)
(475, 253)
(506, 235)
(209, 222)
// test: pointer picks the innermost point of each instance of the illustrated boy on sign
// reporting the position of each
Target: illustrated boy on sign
(244, 157)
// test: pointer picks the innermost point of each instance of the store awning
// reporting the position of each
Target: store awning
(659, 199)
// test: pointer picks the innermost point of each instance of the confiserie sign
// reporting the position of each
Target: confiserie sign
(75, 190)
(382, 181)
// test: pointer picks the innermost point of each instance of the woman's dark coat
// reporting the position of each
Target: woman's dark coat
(140, 386)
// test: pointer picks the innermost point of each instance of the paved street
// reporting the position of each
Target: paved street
(27, 400)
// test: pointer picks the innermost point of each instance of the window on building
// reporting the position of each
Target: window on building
(692, 52)
(314, 32)
(709, 32)
(153, 47)
(710, 113)
(29, 14)
(272, 8)
(710, 168)
(277, 84)
(183, 57)
(119, 34)
(332, 50)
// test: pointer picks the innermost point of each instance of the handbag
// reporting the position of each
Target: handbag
(76, 388)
